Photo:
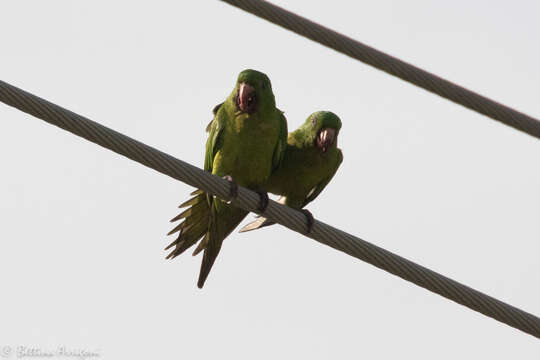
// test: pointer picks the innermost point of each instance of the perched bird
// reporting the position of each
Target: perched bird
(311, 160)
(246, 143)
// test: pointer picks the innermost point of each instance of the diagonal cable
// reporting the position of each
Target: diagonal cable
(390, 64)
(284, 215)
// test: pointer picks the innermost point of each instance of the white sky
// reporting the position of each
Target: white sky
(83, 229)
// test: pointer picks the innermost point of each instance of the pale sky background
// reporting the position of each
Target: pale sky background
(83, 229)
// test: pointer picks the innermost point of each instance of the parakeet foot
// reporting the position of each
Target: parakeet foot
(310, 220)
(263, 200)
(233, 187)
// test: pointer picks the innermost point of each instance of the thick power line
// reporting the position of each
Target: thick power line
(284, 215)
(390, 64)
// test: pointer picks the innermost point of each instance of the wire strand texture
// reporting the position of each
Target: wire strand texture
(390, 64)
(281, 214)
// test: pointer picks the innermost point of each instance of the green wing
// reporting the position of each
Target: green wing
(214, 111)
(320, 186)
(214, 141)
(281, 145)
(197, 216)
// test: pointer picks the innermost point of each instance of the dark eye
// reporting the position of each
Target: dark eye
(264, 86)
(313, 120)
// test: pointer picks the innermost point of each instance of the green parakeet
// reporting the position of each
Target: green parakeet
(311, 160)
(246, 143)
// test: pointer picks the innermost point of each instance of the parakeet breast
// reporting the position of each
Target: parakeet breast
(247, 150)
(301, 171)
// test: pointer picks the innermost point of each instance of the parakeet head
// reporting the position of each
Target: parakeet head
(253, 91)
(323, 129)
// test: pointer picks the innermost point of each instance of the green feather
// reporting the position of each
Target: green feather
(305, 169)
(248, 146)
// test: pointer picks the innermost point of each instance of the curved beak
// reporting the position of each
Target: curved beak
(325, 138)
(245, 99)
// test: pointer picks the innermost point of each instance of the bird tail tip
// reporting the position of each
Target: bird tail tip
(256, 224)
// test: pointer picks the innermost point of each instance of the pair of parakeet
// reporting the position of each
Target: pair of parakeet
(249, 146)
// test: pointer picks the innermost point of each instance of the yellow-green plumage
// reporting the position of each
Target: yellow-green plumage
(246, 142)
(306, 168)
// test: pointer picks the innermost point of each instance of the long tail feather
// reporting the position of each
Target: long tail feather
(258, 223)
(190, 239)
(188, 211)
(191, 201)
(202, 245)
(194, 226)
(225, 219)
(207, 218)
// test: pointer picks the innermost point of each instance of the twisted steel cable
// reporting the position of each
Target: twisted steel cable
(390, 64)
(284, 215)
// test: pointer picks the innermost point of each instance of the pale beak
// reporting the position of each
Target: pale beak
(325, 138)
(245, 99)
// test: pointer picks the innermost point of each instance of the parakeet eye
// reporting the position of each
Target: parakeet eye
(313, 121)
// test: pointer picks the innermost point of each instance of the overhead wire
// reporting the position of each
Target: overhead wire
(390, 65)
(286, 216)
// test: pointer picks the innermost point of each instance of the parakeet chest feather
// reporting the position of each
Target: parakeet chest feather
(247, 151)
(301, 171)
